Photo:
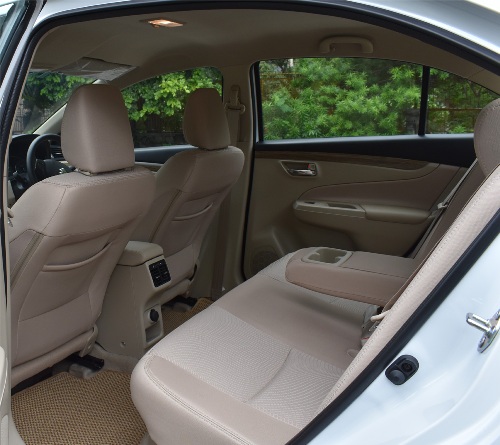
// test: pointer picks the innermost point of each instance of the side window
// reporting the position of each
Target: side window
(341, 97)
(156, 106)
(454, 103)
(315, 98)
(44, 93)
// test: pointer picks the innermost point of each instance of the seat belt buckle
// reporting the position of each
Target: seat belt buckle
(369, 327)
(442, 205)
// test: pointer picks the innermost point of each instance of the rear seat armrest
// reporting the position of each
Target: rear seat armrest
(361, 276)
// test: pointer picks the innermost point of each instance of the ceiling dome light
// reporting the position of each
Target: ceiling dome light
(165, 23)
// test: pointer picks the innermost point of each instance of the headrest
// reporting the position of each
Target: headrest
(205, 124)
(487, 137)
(95, 132)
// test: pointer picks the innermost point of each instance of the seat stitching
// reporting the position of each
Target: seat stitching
(188, 407)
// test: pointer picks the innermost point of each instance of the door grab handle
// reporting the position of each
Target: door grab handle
(299, 172)
(300, 168)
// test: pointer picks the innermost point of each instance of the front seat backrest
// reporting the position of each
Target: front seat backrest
(191, 185)
(68, 232)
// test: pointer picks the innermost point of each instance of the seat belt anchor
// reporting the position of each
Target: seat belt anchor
(234, 103)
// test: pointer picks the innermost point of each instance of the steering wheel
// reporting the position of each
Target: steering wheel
(39, 163)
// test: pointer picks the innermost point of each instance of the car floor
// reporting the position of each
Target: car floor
(174, 316)
(66, 409)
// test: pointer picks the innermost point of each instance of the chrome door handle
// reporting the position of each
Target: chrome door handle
(300, 172)
(295, 168)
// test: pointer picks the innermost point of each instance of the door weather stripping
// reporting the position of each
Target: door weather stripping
(489, 328)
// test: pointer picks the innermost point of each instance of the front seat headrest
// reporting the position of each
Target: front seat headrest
(487, 137)
(205, 124)
(95, 133)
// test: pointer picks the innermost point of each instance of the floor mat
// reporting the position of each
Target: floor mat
(66, 410)
(172, 319)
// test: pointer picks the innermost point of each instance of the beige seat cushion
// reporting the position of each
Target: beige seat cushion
(252, 368)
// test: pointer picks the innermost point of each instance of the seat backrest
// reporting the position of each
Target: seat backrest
(68, 231)
(191, 185)
(487, 148)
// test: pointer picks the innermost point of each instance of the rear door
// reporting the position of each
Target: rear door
(354, 154)
(16, 20)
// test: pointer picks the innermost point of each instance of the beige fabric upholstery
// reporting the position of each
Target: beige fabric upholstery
(367, 277)
(346, 308)
(96, 135)
(487, 139)
(138, 252)
(205, 125)
(462, 196)
(68, 232)
(253, 367)
(191, 185)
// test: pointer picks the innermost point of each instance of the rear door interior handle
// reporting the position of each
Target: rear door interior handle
(294, 168)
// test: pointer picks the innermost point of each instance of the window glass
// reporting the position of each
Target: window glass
(156, 105)
(454, 103)
(10, 14)
(44, 93)
(332, 97)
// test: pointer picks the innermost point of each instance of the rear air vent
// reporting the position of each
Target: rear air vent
(159, 273)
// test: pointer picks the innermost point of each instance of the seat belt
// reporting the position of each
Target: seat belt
(371, 324)
(234, 110)
(220, 249)
(441, 207)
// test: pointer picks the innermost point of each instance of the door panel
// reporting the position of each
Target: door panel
(355, 202)
(158, 155)
(153, 158)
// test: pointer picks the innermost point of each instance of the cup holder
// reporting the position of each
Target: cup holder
(328, 255)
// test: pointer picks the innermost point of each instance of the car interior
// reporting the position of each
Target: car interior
(228, 284)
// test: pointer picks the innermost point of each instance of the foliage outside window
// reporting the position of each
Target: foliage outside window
(156, 105)
(44, 93)
(454, 103)
(336, 97)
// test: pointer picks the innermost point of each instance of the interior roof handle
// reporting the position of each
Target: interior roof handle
(327, 45)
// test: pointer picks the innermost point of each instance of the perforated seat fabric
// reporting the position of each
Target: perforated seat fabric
(252, 368)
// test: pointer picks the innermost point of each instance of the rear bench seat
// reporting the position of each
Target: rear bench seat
(261, 362)
(252, 368)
